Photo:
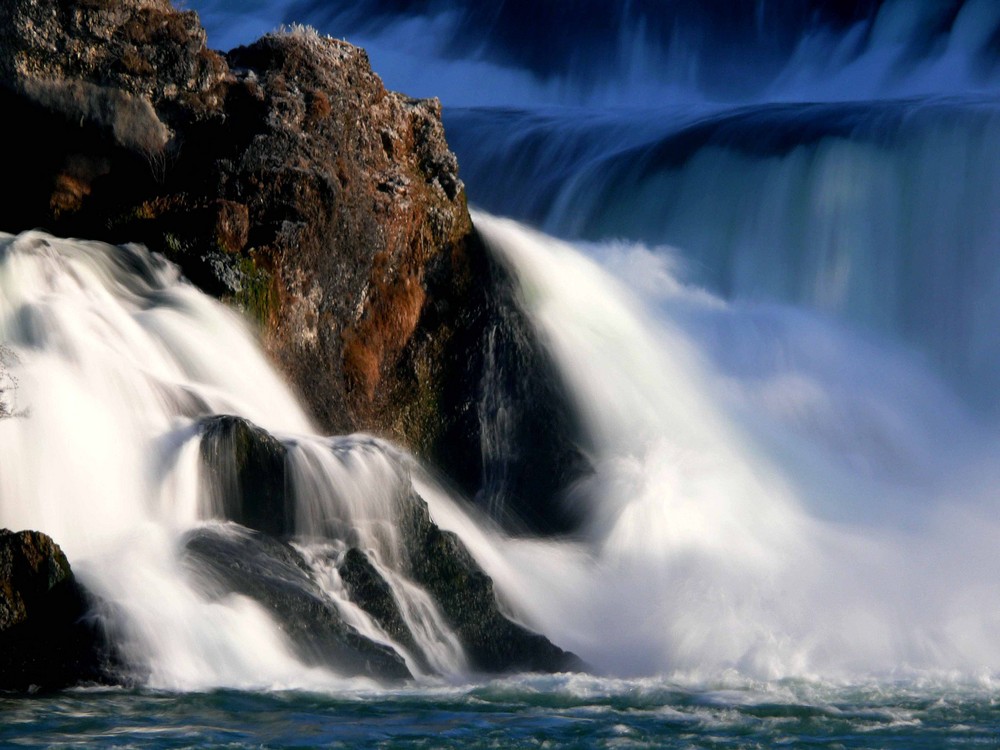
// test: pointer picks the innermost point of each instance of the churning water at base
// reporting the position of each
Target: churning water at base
(527, 712)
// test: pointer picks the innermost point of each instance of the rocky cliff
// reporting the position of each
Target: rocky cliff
(283, 177)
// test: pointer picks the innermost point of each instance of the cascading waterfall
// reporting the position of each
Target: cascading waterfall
(878, 214)
(774, 493)
(787, 370)
(363, 477)
(113, 354)
(643, 52)
(116, 360)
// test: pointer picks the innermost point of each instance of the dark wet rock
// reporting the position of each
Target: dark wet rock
(369, 590)
(493, 642)
(232, 559)
(285, 178)
(515, 448)
(50, 637)
(274, 573)
(245, 471)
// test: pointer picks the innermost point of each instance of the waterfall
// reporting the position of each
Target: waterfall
(116, 361)
(878, 214)
(772, 303)
(774, 493)
(649, 52)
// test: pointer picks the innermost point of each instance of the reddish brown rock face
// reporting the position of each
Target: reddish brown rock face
(284, 178)
(369, 199)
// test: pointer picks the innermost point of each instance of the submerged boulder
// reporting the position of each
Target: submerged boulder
(285, 178)
(49, 635)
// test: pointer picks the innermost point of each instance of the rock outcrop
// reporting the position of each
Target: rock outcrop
(284, 177)
(232, 559)
(248, 472)
(442, 565)
(367, 588)
(49, 637)
(244, 471)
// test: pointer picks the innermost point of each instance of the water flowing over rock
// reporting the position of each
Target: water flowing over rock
(440, 562)
(370, 591)
(49, 636)
(246, 468)
(234, 560)
(284, 177)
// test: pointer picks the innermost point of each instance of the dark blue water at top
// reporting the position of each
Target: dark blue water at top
(648, 51)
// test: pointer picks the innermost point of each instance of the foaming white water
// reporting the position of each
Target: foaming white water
(350, 489)
(111, 352)
(116, 360)
(773, 493)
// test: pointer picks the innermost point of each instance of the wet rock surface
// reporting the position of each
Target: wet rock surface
(234, 560)
(244, 469)
(369, 590)
(440, 562)
(50, 636)
(274, 573)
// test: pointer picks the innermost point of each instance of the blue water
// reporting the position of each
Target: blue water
(523, 713)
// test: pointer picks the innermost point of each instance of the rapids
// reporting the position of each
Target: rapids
(770, 283)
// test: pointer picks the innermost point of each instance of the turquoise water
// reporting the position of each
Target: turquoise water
(519, 713)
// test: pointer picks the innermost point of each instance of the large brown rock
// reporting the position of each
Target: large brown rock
(285, 178)
(49, 638)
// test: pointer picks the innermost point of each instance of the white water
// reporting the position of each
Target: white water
(115, 359)
(775, 494)
(882, 215)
